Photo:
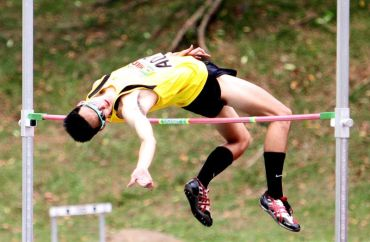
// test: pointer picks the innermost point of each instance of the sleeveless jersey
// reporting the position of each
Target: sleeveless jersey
(177, 80)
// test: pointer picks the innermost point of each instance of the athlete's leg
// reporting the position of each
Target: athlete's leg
(254, 100)
(237, 140)
(236, 135)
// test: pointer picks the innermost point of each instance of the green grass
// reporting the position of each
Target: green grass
(288, 47)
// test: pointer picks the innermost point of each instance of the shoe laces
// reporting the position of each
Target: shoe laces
(288, 208)
(280, 208)
(287, 205)
(204, 202)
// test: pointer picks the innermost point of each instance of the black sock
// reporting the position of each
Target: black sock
(216, 162)
(274, 163)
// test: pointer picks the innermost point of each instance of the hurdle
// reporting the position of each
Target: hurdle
(99, 209)
(342, 121)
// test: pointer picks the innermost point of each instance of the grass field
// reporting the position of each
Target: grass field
(287, 47)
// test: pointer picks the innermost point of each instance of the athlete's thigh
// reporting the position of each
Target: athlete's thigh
(248, 97)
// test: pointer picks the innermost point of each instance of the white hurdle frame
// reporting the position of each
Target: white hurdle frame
(343, 122)
(99, 209)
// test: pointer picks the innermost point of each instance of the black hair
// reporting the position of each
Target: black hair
(78, 128)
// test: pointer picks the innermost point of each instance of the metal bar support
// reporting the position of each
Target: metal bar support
(54, 230)
(27, 129)
(101, 227)
(343, 122)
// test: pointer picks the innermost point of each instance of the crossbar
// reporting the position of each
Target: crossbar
(254, 119)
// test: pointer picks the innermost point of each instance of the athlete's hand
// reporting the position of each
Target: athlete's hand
(142, 177)
(197, 53)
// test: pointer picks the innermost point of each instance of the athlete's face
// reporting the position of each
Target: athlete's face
(96, 110)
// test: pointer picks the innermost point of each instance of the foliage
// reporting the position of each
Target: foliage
(288, 47)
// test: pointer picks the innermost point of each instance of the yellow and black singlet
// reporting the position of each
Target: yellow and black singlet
(177, 80)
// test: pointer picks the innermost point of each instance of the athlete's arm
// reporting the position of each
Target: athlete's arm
(134, 107)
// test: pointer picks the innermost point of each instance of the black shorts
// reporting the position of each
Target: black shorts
(208, 103)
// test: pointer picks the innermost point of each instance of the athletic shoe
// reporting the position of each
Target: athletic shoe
(281, 211)
(200, 204)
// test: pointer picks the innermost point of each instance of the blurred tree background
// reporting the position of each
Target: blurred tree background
(287, 47)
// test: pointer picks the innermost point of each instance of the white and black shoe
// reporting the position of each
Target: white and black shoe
(281, 211)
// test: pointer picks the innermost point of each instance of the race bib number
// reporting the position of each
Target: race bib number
(151, 64)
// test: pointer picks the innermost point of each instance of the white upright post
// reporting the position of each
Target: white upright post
(343, 122)
(54, 230)
(27, 129)
(101, 227)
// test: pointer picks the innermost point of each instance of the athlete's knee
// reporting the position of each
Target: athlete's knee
(287, 111)
(283, 110)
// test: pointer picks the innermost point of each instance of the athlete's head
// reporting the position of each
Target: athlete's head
(84, 121)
